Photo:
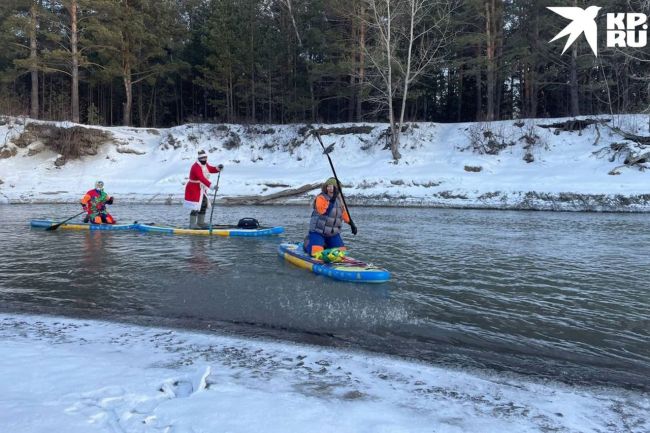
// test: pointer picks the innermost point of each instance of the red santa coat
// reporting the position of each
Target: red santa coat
(198, 184)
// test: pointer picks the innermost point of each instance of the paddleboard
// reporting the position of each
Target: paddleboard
(217, 230)
(80, 226)
(348, 270)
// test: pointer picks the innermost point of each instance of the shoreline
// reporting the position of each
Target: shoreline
(134, 376)
(441, 167)
(539, 202)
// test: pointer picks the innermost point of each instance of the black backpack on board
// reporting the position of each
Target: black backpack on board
(248, 223)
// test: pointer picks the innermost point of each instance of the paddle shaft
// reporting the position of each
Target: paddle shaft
(335, 176)
(214, 198)
(56, 226)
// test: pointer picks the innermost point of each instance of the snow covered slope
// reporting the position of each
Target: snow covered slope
(508, 164)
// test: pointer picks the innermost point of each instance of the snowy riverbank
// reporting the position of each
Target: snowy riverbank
(85, 376)
(503, 165)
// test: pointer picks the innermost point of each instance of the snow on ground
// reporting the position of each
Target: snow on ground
(439, 164)
(84, 376)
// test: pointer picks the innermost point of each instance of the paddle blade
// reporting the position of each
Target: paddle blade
(328, 149)
(54, 227)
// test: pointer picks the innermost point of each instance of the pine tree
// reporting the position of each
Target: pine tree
(20, 29)
(134, 42)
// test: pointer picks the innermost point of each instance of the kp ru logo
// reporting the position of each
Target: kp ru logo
(627, 30)
(623, 29)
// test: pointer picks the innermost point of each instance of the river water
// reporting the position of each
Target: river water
(563, 296)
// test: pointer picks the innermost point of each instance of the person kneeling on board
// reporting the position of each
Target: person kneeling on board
(94, 203)
(327, 217)
(196, 190)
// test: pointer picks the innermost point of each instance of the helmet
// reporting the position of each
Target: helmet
(331, 181)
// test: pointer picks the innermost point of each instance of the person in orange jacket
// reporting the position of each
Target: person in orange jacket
(94, 203)
(327, 218)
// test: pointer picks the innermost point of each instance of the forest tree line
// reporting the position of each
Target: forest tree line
(153, 63)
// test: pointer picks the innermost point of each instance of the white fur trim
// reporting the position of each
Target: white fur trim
(192, 205)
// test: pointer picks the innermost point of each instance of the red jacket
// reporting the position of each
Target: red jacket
(198, 185)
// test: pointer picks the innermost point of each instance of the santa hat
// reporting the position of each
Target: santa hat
(202, 154)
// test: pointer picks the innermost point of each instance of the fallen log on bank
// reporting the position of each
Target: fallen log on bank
(574, 124)
(261, 199)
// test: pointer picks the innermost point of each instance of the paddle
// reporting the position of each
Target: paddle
(214, 198)
(327, 150)
(56, 226)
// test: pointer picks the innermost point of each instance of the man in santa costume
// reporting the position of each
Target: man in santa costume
(196, 190)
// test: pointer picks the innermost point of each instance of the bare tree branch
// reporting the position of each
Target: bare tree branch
(409, 38)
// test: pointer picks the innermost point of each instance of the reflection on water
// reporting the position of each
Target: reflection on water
(95, 246)
(549, 294)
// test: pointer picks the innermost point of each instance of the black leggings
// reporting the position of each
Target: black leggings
(204, 207)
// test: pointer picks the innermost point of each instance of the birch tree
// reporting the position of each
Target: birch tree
(407, 38)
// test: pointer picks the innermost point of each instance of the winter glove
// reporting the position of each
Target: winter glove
(353, 228)
(214, 187)
(220, 167)
(109, 201)
(83, 206)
